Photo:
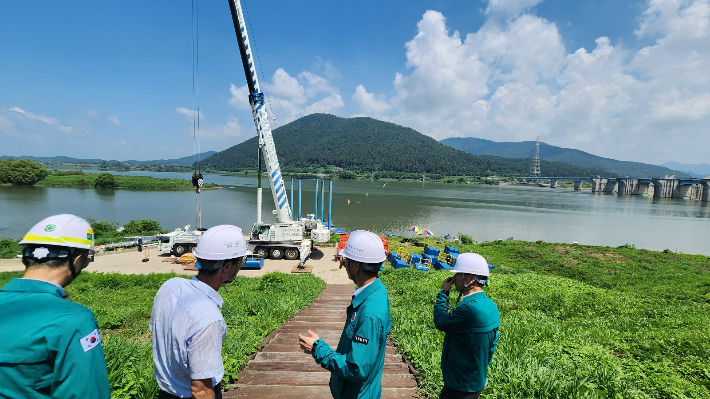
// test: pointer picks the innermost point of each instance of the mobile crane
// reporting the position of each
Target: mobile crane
(283, 238)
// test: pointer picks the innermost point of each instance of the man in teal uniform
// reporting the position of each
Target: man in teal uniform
(49, 346)
(356, 365)
(471, 329)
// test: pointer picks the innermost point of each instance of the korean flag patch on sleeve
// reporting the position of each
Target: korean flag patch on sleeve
(90, 341)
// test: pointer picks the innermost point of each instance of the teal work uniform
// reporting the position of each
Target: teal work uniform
(49, 346)
(470, 341)
(356, 365)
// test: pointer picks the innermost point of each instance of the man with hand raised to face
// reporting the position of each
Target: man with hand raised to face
(356, 364)
(187, 323)
(471, 329)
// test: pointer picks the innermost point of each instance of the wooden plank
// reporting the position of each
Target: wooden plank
(308, 378)
(276, 357)
(308, 364)
(295, 348)
(317, 392)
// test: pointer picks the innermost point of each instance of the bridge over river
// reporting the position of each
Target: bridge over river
(694, 189)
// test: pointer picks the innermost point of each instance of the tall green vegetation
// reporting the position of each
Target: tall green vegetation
(21, 172)
(122, 304)
(577, 321)
(366, 145)
(108, 180)
(9, 248)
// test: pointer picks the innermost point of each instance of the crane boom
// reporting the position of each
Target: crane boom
(261, 117)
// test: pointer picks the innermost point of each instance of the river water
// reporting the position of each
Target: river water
(484, 212)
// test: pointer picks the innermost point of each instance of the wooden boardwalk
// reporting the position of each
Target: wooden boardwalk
(282, 370)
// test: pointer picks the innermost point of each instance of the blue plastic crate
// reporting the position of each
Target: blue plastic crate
(400, 264)
(451, 250)
(439, 265)
(415, 259)
(431, 251)
(422, 267)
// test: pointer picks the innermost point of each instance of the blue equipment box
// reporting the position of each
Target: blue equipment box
(439, 265)
(253, 263)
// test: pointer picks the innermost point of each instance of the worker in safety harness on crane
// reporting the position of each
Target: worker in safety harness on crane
(471, 329)
(187, 323)
(49, 346)
(356, 365)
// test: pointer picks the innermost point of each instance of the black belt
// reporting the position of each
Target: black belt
(165, 395)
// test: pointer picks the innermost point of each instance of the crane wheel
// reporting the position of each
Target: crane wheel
(262, 252)
(291, 253)
(179, 250)
(277, 253)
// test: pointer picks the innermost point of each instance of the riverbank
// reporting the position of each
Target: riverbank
(79, 179)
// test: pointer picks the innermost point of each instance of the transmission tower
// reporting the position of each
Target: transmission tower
(535, 170)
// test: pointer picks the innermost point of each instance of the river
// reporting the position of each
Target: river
(483, 212)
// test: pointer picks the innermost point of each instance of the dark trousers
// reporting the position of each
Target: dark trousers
(448, 393)
(217, 394)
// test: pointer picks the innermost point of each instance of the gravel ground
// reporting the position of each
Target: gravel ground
(129, 261)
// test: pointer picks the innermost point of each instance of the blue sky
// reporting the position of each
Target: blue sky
(622, 79)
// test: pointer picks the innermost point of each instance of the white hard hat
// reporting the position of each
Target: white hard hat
(364, 246)
(471, 263)
(63, 231)
(222, 242)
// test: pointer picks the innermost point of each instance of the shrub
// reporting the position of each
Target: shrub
(105, 180)
(9, 248)
(142, 227)
(465, 239)
(22, 173)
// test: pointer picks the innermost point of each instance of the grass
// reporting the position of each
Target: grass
(577, 322)
(122, 305)
(83, 179)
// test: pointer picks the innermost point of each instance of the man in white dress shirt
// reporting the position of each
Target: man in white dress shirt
(187, 323)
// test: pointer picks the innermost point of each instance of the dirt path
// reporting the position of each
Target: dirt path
(282, 370)
(129, 261)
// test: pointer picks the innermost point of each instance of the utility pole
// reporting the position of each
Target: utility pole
(535, 170)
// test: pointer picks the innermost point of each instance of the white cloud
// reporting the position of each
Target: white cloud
(25, 114)
(326, 105)
(290, 98)
(240, 97)
(91, 112)
(368, 103)
(513, 79)
(188, 112)
(113, 119)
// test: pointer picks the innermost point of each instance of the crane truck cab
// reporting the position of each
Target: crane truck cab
(180, 241)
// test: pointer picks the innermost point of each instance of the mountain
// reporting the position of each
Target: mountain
(369, 145)
(697, 169)
(184, 161)
(57, 159)
(526, 149)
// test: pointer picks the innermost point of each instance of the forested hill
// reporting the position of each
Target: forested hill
(368, 145)
(526, 149)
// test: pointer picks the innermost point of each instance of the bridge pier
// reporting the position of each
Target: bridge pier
(627, 185)
(664, 188)
(553, 183)
(578, 185)
(611, 186)
(705, 184)
(599, 184)
(645, 188)
(688, 191)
